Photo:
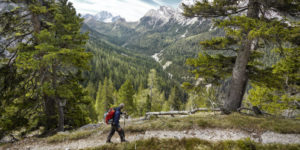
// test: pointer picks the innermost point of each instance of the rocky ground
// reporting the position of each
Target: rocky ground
(209, 127)
(99, 138)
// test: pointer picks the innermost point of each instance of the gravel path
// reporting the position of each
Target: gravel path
(205, 134)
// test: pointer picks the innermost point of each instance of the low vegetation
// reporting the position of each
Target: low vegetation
(76, 135)
(194, 144)
(233, 121)
(200, 120)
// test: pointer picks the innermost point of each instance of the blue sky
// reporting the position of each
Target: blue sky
(131, 10)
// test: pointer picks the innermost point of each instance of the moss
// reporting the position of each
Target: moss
(194, 144)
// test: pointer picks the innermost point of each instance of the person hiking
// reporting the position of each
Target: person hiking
(115, 126)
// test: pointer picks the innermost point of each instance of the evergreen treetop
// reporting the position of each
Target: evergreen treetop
(249, 26)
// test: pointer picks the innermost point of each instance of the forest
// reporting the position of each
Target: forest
(59, 73)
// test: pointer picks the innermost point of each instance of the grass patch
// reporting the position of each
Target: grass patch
(233, 121)
(200, 120)
(194, 144)
(76, 135)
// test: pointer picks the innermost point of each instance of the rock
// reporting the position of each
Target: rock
(90, 126)
(7, 139)
(272, 137)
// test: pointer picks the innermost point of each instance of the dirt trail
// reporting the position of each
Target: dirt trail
(99, 138)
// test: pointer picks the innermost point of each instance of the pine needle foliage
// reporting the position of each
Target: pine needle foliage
(250, 28)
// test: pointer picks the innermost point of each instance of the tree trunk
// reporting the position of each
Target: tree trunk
(36, 23)
(61, 121)
(57, 99)
(239, 75)
(35, 18)
(50, 113)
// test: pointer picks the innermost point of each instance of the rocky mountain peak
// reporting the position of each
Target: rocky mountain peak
(103, 16)
(164, 15)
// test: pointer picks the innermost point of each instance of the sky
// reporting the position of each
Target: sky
(131, 10)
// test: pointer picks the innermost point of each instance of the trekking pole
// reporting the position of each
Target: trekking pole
(124, 121)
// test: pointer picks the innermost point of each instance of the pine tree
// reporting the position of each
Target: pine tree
(104, 99)
(277, 99)
(92, 90)
(141, 99)
(98, 104)
(62, 50)
(174, 101)
(126, 94)
(20, 20)
(245, 35)
(51, 61)
(154, 100)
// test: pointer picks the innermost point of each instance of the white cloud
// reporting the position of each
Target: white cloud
(131, 10)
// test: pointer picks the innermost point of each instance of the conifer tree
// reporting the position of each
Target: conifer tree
(248, 26)
(284, 96)
(104, 99)
(141, 99)
(61, 48)
(166, 106)
(20, 20)
(50, 60)
(154, 100)
(98, 104)
(126, 94)
(174, 100)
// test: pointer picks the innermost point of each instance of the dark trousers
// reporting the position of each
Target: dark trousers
(112, 132)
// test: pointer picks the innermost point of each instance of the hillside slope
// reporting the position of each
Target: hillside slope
(205, 128)
(163, 31)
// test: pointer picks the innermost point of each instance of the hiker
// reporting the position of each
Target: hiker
(115, 126)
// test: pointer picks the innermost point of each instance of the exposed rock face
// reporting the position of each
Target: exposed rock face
(103, 16)
(164, 15)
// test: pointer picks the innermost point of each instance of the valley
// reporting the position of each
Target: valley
(169, 74)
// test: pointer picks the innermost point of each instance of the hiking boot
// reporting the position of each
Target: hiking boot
(124, 141)
(108, 141)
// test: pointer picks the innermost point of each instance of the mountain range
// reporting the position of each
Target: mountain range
(163, 34)
(103, 16)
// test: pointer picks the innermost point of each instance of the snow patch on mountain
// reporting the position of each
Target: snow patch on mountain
(103, 16)
(163, 14)
(191, 2)
(170, 75)
(157, 55)
(166, 14)
(168, 63)
(184, 35)
(212, 28)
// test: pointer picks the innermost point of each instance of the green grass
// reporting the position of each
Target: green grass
(197, 121)
(194, 144)
(76, 135)
(233, 121)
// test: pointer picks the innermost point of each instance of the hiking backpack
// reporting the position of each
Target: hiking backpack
(108, 116)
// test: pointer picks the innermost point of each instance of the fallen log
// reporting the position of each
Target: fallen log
(204, 109)
(168, 113)
(172, 113)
